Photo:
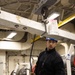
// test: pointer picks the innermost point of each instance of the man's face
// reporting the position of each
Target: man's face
(51, 44)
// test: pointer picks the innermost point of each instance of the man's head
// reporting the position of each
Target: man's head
(51, 43)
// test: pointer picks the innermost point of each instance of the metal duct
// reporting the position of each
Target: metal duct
(24, 39)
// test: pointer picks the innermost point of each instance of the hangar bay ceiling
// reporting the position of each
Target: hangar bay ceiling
(25, 8)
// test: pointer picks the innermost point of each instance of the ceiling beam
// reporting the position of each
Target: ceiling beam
(22, 24)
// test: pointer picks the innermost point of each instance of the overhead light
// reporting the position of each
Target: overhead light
(53, 16)
(11, 35)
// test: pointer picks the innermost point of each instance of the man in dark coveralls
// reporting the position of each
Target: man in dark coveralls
(49, 61)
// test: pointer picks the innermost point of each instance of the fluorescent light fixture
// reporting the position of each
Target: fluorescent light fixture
(53, 16)
(11, 35)
(6, 39)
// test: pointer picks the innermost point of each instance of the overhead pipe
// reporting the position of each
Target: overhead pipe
(66, 20)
